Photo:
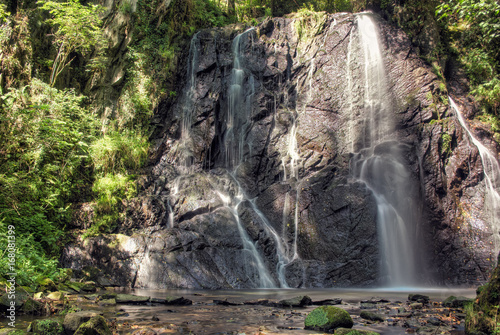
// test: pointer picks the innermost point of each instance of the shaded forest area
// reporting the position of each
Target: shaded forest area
(61, 148)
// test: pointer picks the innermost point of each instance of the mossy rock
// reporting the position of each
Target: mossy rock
(349, 331)
(45, 327)
(299, 301)
(456, 302)
(20, 298)
(46, 285)
(89, 286)
(95, 326)
(32, 306)
(326, 318)
(76, 287)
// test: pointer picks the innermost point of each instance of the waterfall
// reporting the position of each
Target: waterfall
(491, 170)
(239, 106)
(237, 146)
(255, 260)
(188, 112)
(379, 163)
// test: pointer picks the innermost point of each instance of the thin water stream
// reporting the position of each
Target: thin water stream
(491, 170)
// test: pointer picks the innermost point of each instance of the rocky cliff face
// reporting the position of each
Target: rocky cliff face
(252, 185)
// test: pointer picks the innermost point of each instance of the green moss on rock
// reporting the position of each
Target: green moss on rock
(326, 318)
(95, 326)
(46, 327)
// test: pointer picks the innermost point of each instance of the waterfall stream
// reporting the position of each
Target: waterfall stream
(491, 170)
(379, 163)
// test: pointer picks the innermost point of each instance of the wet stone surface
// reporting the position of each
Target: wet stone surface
(260, 312)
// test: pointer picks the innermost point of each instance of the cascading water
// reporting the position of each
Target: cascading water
(237, 146)
(186, 141)
(491, 170)
(379, 162)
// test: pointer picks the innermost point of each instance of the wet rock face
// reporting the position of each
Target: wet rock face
(272, 162)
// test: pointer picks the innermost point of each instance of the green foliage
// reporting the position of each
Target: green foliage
(445, 144)
(77, 28)
(308, 23)
(474, 29)
(119, 152)
(32, 262)
(44, 135)
(3, 13)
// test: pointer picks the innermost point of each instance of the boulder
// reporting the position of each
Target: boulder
(328, 318)
(73, 320)
(32, 306)
(95, 326)
(20, 298)
(456, 302)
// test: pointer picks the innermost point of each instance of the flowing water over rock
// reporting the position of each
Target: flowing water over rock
(380, 164)
(491, 170)
(302, 158)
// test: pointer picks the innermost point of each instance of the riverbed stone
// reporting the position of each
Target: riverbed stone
(107, 302)
(333, 301)
(371, 316)
(55, 296)
(424, 299)
(95, 326)
(73, 320)
(131, 299)
(32, 306)
(456, 302)
(328, 318)
(299, 301)
(349, 331)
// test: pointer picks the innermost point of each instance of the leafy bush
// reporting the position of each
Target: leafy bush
(474, 29)
(119, 152)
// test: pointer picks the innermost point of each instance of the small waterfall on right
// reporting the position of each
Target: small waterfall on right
(491, 170)
(378, 160)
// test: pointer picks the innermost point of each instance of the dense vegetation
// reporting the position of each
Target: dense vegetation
(59, 149)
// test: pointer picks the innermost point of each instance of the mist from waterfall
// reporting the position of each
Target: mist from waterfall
(378, 160)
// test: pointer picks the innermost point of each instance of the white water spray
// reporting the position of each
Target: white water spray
(380, 164)
(491, 170)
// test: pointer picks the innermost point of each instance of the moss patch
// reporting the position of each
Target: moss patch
(326, 318)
